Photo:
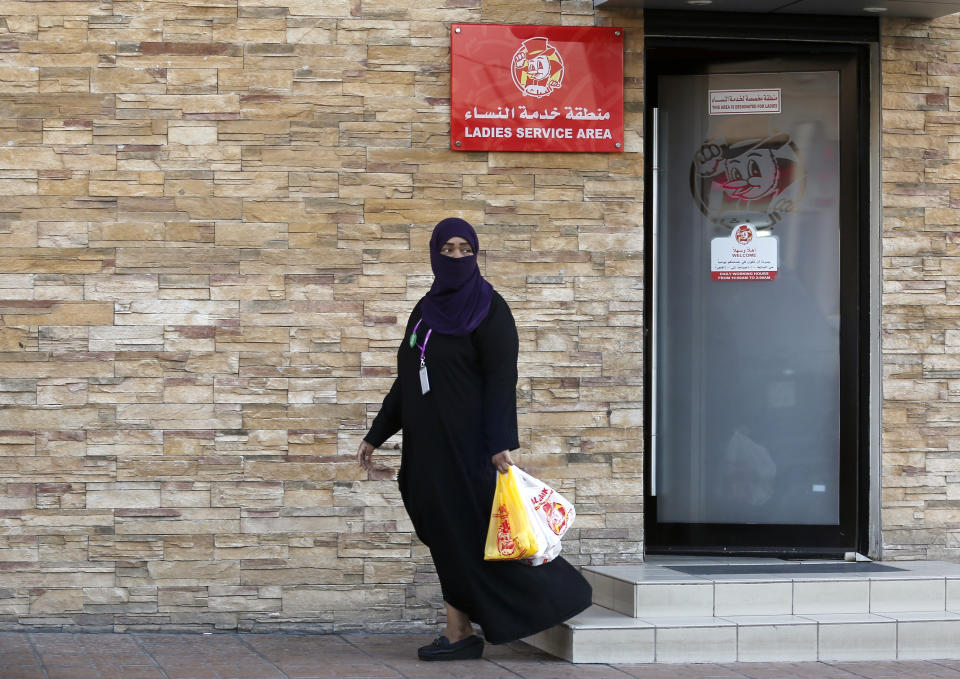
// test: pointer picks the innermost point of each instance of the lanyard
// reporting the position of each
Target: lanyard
(421, 347)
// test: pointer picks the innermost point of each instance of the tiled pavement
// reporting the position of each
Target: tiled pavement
(358, 656)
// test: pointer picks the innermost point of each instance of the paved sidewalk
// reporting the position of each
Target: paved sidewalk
(358, 656)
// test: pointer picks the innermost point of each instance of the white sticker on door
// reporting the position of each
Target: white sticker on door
(743, 256)
(740, 102)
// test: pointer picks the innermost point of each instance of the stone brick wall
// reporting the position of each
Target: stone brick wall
(921, 281)
(213, 223)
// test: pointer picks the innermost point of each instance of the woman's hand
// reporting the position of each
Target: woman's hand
(365, 455)
(502, 461)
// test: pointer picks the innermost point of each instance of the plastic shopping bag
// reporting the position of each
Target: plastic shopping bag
(551, 515)
(510, 535)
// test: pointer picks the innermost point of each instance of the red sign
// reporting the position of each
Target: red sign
(536, 88)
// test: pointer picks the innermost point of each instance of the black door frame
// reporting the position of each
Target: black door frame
(692, 56)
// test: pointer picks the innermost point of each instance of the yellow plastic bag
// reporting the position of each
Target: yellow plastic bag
(510, 536)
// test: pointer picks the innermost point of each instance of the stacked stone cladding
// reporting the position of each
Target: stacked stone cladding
(920, 109)
(213, 224)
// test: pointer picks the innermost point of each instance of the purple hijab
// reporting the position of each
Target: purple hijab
(460, 297)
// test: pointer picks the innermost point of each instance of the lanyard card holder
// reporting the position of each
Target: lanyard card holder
(424, 379)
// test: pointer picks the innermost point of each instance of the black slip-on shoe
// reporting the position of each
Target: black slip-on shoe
(469, 648)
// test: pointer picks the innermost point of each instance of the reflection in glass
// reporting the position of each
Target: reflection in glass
(748, 371)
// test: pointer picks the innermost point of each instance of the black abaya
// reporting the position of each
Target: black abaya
(447, 478)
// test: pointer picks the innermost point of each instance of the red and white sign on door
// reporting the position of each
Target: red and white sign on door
(536, 88)
(743, 256)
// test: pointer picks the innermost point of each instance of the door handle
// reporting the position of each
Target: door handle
(655, 218)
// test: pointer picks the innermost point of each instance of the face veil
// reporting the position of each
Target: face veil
(460, 297)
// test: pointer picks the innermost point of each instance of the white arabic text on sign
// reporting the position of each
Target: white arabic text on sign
(509, 112)
(739, 102)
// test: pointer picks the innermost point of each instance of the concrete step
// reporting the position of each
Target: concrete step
(763, 610)
(600, 635)
(657, 589)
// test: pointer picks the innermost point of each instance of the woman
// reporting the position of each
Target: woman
(455, 400)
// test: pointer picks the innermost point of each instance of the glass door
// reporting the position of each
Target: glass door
(753, 314)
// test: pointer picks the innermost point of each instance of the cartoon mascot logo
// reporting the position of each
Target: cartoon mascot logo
(747, 181)
(537, 68)
(557, 517)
